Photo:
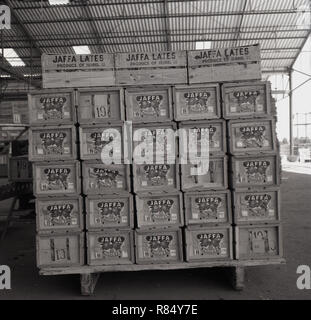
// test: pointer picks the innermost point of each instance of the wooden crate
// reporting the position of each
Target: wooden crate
(94, 138)
(252, 136)
(155, 68)
(255, 171)
(208, 208)
(20, 169)
(75, 71)
(149, 104)
(258, 242)
(246, 100)
(99, 178)
(206, 243)
(151, 140)
(158, 246)
(51, 107)
(224, 64)
(165, 210)
(60, 250)
(57, 178)
(14, 112)
(251, 207)
(59, 215)
(157, 178)
(212, 132)
(215, 179)
(110, 247)
(52, 143)
(100, 105)
(197, 102)
(114, 211)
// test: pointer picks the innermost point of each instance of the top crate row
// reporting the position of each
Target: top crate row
(151, 104)
(154, 68)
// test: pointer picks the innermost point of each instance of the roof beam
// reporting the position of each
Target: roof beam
(22, 27)
(241, 21)
(167, 25)
(163, 16)
(300, 49)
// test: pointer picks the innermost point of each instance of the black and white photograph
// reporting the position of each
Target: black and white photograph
(155, 155)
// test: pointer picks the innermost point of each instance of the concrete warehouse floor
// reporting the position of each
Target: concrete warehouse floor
(268, 282)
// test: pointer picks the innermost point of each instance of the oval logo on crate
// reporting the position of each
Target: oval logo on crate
(160, 209)
(253, 137)
(211, 243)
(256, 170)
(60, 214)
(208, 206)
(247, 100)
(99, 140)
(53, 141)
(57, 176)
(258, 205)
(149, 105)
(104, 176)
(53, 106)
(197, 102)
(156, 174)
(110, 211)
(111, 246)
(159, 245)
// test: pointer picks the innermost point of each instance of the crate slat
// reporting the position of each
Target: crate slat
(149, 104)
(61, 250)
(114, 211)
(259, 242)
(59, 215)
(51, 107)
(76, 71)
(225, 64)
(52, 143)
(206, 243)
(253, 207)
(56, 178)
(252, 136)
(100, 105)
(216, 178)
(208, 208)
(159, 210)
(99, 178)
(158, 246)
(155, 68)
(197, 102)
(247, 100)
(110, 247)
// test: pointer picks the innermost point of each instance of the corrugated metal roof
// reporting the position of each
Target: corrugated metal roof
(137, 25)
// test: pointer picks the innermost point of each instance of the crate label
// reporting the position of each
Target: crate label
(157, 174)
(256, 171)
(223, 251)
(163, 112)
(144, 183)
(174, 216)
(66, 150)
(111, 246)
(260, 108)
(233, 109)
(247, 100)
(96, 141)
(257, 204)
(102, 112)
(159, 245)
(254, 136)
(124, 254)
(160, 210)
(208, 207)
(210, 109)
(67, 114)
(60, 215)
(170, 181)
(105, 178)
(40, 151)
(195, 216)
(197, 102)
(271, 212)
(57, 179)
(211, 243)
(221, 215)
(173, 253)
(53, 142)
(269, 178)
(53, 107)
(111, 212)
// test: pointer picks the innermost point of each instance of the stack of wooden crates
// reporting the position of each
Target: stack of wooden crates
(56, 174)
(155, 213)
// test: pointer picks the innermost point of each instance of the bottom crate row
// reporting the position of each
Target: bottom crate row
(164, 246)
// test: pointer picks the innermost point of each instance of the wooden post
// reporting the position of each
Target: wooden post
(238, 277)
(88, 283)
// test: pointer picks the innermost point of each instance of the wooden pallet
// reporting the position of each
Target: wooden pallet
(89, 275)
